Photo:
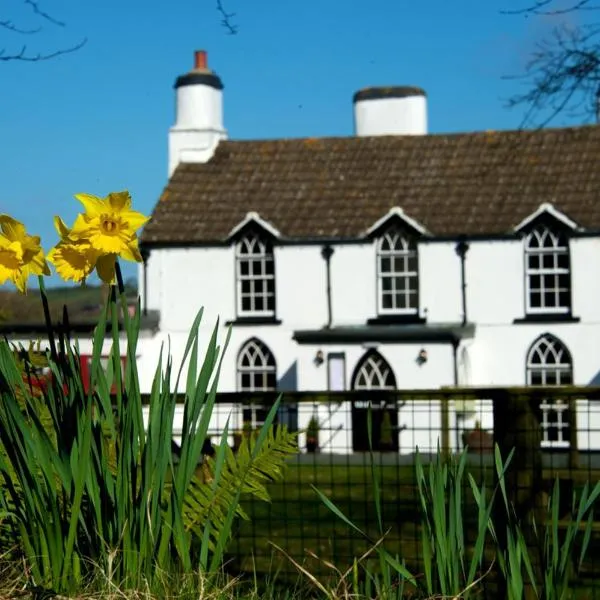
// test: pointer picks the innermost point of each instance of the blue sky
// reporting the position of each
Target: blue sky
(97, 120)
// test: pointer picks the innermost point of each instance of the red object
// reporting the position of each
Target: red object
(200, 60)
(86, 363)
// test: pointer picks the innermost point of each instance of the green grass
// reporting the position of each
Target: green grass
(297, 521)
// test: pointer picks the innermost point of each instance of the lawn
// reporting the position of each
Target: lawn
(300, 523)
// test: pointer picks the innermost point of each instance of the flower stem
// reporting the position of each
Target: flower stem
(49, 328)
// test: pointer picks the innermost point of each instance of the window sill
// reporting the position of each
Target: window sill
(244, 321)
(397, 320)
(546, 318)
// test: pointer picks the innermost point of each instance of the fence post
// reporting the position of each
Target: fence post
(573, 442)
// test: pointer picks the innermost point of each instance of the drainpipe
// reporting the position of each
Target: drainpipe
(461, 249)
(145, 255)
(327, 253)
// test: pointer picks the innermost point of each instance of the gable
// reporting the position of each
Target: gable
(337, 188)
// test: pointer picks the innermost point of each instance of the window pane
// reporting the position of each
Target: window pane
(386, 299)
(400, 284)
(270, 286)
(535, 282)
(245, 380)
(400, 265)
(269, 267)
(386, 283)
(549, 282)
(563, 260)
(259, 303)
(549, 299)
(257, 267)
(534, 261)
(246, 286)
(244, 267)
(271, 303)
(551, 377)
(259, 286)
(564, 299)
(386, 265)
(413, 263)
(536, 378)
(535, 300)
(564, 281)
(246, 303)
(548, 261)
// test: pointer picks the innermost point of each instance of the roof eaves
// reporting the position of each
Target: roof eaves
(548, 209)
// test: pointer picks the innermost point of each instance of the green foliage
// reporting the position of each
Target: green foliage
(447, 568)
(89, 485)
(558, 556)
(312, 431)
(385, 434)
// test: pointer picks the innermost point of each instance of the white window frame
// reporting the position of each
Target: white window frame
(253, 249)
(556, 408)
(554, 357)
(262, 361)
(550, 242)
(395, 246)
(375, 371)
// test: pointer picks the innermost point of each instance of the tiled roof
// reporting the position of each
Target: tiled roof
(476, 183)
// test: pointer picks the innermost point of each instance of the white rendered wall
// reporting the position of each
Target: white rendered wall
(391, 116)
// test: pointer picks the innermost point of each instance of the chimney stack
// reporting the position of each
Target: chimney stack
(390, 111)
(198, 124)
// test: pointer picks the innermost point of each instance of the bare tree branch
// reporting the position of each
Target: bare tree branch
(35, 6)
(543, 8)
(24, 54)
(226, 19)
(6, 24)
(562, 75)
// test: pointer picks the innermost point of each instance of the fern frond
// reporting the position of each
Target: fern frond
(243, 472)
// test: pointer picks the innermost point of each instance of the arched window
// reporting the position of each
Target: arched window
(547, 271)
(397, 273)
(256, 368)
(256, 372)
(549, 363)
(373, 373)
(255, 269)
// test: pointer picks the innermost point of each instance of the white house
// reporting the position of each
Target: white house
(390, 259)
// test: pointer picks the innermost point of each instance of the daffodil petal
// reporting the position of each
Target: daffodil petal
(19, 278)
(82, 226)
(134, 219)
(93, 205)
(11, 228)
(131, 252)
(38, 264)
(120, 201)
(105, 267)
(73, 262)
(61, 227)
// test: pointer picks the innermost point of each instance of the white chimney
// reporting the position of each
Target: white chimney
(390, 111)
(199, 115)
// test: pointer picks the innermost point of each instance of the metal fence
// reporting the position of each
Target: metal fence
(555, 433)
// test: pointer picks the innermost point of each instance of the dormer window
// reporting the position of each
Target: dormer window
(255, 274)
(397, 273)
(547, 271)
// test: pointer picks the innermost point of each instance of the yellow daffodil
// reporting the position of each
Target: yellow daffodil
(20, 254)
(105, 232)
(75, 259)
(110, 225)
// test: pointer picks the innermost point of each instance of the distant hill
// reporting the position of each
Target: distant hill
(83, 303)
